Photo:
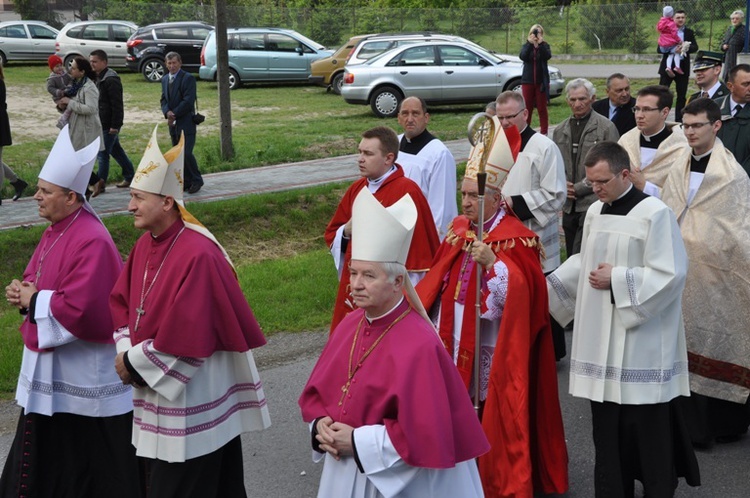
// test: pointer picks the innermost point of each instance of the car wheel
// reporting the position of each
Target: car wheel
(514, 85)
(234, 80)
(69, 61)
(385, 101)
(153, 70)
(337, 82)
(3, 59)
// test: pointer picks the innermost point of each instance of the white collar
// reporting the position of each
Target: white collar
(372, 319)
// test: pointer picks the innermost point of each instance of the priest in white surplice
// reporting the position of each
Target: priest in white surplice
(628, 357)
(388, 411)
(428, 162)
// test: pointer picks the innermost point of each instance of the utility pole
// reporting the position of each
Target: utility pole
(222, 78)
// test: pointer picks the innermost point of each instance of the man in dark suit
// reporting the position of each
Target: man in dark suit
(680, 80)
(618, 106)
(178, 95)
(707, 69)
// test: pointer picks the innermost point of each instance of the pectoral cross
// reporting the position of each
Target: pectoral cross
(464, 356)
(344, 391)
(140, 312)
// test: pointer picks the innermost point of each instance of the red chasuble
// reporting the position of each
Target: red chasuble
(522, 417)
(407, 383)
(423, 246)
(195, 307)
(80, 263)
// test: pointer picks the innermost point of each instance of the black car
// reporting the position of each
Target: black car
(148, 46)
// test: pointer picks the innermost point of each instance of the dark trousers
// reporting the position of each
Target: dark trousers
(632, 442)
(681, 85)
(534, 97)
(219, 474)
(113, 148)
(192, 174)
(573, 227)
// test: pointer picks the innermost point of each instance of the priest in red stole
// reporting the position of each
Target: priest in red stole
(518, 381)
(385, 179)
(388, 412)
(183, 331)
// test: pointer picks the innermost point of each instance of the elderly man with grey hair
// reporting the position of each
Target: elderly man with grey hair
(575, 136)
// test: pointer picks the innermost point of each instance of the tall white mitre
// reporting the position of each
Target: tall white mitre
(162, 174)
(383, 235)
(68, 168)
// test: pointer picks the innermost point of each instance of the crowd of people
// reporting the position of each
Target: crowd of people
(439, 375)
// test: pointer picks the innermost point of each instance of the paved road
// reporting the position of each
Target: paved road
(278, 460)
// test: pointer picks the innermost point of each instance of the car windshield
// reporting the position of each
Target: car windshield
(309, 42)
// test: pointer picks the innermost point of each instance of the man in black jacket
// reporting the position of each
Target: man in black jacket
(111, 114)
(618, 106)
(680, 80)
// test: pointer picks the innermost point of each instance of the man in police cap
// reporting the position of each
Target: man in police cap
(707, 69)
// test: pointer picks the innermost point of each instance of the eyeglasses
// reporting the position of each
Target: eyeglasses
(597, 183)
(500, 118)
(645, 109)
(694, 126)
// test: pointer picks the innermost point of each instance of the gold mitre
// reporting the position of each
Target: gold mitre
(503, 153)
(161, 174)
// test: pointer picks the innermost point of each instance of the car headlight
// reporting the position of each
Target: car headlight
(555, 75)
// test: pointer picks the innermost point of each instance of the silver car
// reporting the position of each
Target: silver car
(439, 72)
(26, 41)
(79, 39)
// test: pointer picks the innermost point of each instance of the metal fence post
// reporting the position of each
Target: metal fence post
(567, 29)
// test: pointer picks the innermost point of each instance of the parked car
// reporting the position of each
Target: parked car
(375, 45)
(329, 71)
(149, 44)
(439, 72)
(26, 41)
(80, 38)
(262, 54)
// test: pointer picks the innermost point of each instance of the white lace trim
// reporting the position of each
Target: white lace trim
(498, 292)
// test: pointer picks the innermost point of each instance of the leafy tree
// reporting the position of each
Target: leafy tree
(38, 10)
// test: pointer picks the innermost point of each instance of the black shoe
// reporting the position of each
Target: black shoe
(19, 185)
(194, 188)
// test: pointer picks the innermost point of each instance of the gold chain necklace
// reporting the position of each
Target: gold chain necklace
(353, 369)
(41, 259)
(144, 292)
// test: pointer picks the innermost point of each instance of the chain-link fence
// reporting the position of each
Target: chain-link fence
(590, 27)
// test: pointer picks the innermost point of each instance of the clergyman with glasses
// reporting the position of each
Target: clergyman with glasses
(629, 356)
(710, 193)
(575, 137)
(654, 143)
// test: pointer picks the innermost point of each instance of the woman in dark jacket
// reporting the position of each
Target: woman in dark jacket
(733, 42)
(535, 78)
(5, 171)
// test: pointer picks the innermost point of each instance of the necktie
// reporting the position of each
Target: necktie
(171, 80)
(703, 94)
(614, 113)
(737, 109)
